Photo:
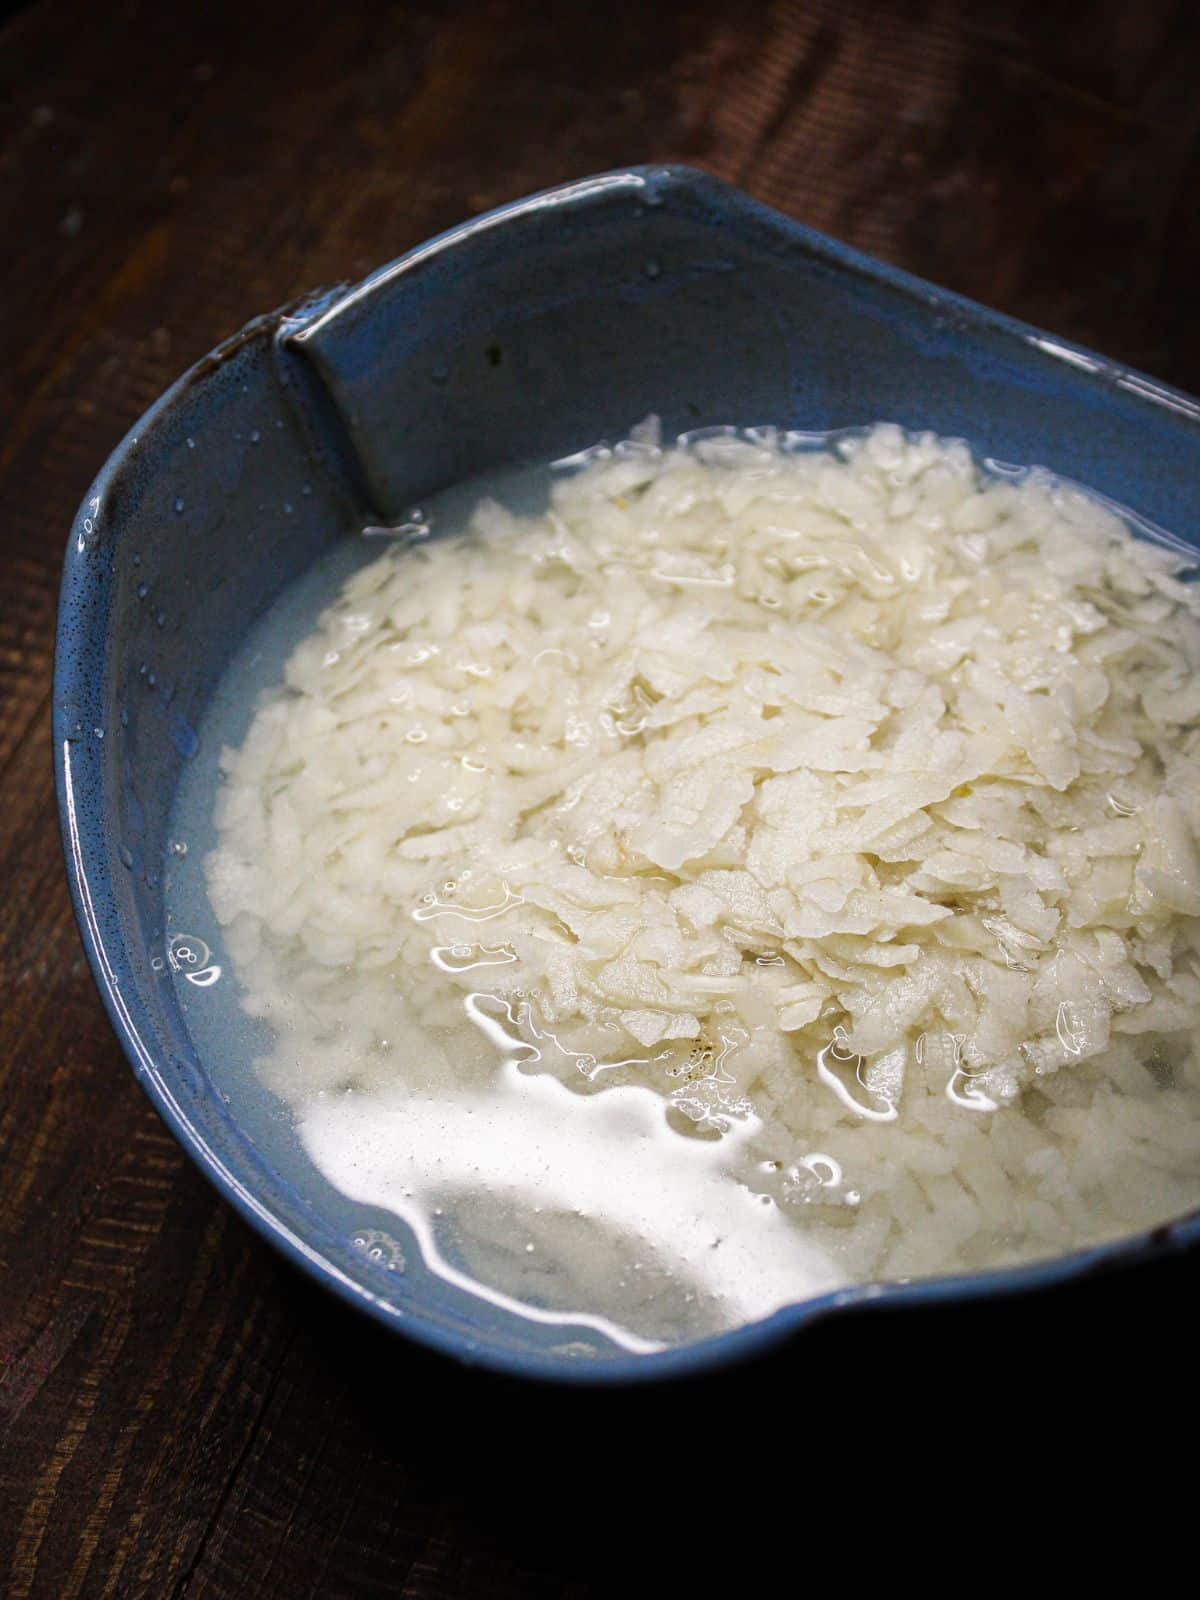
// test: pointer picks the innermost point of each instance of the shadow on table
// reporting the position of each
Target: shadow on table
(862, 1414)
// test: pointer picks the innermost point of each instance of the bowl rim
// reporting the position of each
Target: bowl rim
(295, 322)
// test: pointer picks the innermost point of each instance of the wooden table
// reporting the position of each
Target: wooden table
(181, 1415)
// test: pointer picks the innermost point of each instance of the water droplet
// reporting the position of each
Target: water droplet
(191, 444)
(126, 855)
(653, 268)
(137, 560)
(178, 507)
(151, 679)
(124, 717)
(306, 489)
(439, 372)
(287, 508)
(161, 619)
(142, 591)
(179, 847)
(255, 436)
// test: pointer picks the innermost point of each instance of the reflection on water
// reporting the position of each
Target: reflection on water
(562, 1200)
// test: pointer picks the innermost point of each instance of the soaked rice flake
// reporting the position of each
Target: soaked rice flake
(737, 750)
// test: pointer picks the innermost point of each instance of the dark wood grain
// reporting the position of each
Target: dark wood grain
(181, 1415)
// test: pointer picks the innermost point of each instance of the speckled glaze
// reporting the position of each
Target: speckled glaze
(523, 334)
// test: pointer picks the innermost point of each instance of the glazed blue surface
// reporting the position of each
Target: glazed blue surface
(524, 334)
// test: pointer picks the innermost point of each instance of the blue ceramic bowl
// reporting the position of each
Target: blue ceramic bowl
(523, 334)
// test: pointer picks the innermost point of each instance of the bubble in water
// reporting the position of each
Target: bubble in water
(380, 1248)
(142, 591)
(184, 950)
(190, 956)
(179, 506)
(179, 847)
(576, 1350)
(817, 1179)
(653, 268)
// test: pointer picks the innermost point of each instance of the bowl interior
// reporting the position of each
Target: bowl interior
(523, 335)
